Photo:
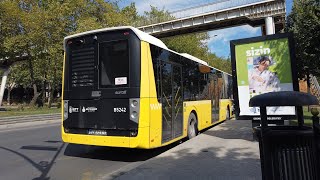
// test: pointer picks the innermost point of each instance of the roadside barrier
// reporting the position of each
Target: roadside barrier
(29, 118)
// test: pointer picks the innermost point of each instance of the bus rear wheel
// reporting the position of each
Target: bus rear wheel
(192, 126)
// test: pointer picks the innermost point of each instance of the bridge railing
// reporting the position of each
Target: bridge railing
(214, 6)
(201, 9)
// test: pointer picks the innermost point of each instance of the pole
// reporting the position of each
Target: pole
(270, 29)
(3, 84)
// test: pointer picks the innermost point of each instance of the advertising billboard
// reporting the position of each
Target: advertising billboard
(262, 65)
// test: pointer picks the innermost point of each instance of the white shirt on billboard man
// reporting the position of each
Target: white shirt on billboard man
(262, 80)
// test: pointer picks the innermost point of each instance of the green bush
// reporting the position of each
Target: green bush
(20, 107)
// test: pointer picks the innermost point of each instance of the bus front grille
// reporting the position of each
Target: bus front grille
(82, 67)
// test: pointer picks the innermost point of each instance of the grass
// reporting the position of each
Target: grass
(28, 111)
(307, 122)
(307, 118)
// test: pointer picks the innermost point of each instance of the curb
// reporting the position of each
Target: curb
(29, 118)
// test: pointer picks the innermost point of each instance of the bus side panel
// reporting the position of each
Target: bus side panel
(155, 123)
(224, 103)
(203, 113)
(144, 87)
(143, 138)
(155, 110)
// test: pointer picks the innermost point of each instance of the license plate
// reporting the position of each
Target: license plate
(97, 132)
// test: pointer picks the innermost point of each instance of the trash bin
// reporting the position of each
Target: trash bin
(286, 152)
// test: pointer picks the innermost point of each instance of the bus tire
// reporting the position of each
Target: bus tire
(228, 114)
(192, 126)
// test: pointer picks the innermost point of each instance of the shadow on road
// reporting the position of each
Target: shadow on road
(114, 154)
(43, 166)
(50, 141)
(42, 148)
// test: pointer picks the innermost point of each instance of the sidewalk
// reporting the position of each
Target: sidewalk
(225, 151)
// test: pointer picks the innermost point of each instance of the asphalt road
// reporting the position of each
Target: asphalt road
(37, 152)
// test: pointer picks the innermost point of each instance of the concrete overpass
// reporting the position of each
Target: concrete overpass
(221, 14)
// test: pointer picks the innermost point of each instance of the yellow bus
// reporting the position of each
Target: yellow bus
(125, 88)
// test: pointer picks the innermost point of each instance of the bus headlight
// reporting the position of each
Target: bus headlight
(65, 109)
(134, 109)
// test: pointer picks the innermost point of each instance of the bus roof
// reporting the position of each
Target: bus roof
(193, 58)
(220, 70)
(201, 61)
(141, 35)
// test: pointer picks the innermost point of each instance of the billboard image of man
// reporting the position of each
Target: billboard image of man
(261, 79)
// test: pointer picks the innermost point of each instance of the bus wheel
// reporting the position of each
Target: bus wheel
(228, 114)
(192, 126)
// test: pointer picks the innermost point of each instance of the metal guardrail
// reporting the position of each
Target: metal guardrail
(29, 118)
(211, 7)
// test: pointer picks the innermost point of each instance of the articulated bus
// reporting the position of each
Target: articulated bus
(125, 88)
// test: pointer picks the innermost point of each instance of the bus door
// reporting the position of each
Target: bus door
(171, 98)
(214, 96)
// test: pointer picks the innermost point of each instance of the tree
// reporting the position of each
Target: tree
(12, 43)
(304, 23)
(33, 30)
(18, 76)
(220, 63)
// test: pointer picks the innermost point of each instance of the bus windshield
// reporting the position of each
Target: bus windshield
(114, 63)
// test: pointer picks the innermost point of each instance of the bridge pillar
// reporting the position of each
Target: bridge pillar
(3, 84)
(270, 29)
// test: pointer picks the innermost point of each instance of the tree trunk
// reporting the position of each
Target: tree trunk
(36, 94)
(50, 96)
(43, 91)
(9, 98)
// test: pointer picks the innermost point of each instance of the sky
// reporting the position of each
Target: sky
(219, 41)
